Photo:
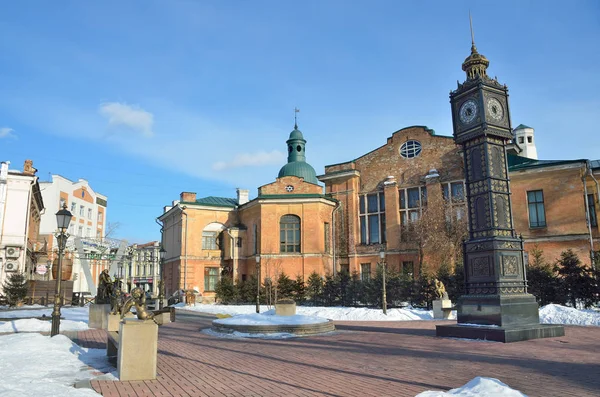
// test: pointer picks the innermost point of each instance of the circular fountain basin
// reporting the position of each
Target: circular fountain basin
(269, 323)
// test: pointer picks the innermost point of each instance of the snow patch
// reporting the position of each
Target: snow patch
(478, 387)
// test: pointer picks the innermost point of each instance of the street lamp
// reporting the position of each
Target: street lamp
(63, 218)
(161, 283)
(258, 283)
(384, 298)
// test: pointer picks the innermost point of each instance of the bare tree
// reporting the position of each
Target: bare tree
(438, 233)
(111, 229)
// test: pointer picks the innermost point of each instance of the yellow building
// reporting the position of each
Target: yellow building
(286, 228)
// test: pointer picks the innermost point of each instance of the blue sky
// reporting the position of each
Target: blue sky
(146, 99)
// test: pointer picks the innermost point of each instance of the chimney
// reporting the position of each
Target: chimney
(188, 197)
(242, 196)
(28, 168)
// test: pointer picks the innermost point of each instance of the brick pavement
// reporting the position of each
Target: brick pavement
(361, 359)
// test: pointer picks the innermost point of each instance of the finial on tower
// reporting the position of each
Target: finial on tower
(472, 34)
(296, 110)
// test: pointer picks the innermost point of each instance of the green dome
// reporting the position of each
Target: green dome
(296, 134)
(300, 169)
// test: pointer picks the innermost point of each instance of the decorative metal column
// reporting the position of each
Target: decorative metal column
(495, 272)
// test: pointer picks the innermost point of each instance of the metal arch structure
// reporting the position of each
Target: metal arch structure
(103, 248)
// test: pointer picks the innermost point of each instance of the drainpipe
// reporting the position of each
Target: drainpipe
(591, 173)
(185, 249)
(587, 212)
(338, 206)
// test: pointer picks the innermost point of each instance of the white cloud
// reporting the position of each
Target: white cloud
(250, 160)
(6, 132)
(133, 117)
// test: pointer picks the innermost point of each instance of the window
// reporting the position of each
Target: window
(88, 232)
(209, 240)
(100, 216)
(592, 207)
(89, 213)
(408, 268)
(81, 210)
(345, 268)
(454, 195)
(365, 271)
(410, 149)
(73, 208)
(63, 202)
(238, 242)
(535, 202)
(521, 139)
(99, 233)
(326, 232)
(412, 201)
(529, 139)
(71, 228)
(80, 231)
(211, 277)
(289, 233)
(372, 218)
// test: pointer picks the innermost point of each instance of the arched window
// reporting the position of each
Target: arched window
(211, 236)
(289, 233)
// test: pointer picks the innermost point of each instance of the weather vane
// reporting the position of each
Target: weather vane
(296, 110)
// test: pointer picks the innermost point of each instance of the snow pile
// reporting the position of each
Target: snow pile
(479, 387)
(269, 318)
(36, 365)
(557, 314)
(74, 319)
(331, 313)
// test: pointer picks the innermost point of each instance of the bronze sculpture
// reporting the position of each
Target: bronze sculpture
(137, 300)
(440, 290)
(105, 288)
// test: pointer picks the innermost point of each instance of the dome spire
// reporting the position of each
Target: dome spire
(296, 110)
(476, 64)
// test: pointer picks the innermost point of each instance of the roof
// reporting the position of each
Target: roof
(215, 201)
(522, 126)
(595, 164)
(516, 163)
(300, 169)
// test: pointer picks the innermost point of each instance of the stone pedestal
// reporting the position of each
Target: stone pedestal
(442, 309)
(285, 309)
(162, 318)
(98, 317)
(113, 322)
(138, 346)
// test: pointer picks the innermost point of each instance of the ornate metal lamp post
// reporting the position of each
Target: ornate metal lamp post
(161, 283)
(383, 270)
(258, 283)
(63, 218)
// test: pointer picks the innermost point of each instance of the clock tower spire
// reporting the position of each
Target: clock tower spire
(495, 274)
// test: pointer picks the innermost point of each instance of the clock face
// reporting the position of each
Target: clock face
(468, 111)
(494, 109)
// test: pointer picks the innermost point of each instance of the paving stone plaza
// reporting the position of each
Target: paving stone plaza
(359, 359)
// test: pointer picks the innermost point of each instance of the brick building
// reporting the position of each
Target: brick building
(286, 228)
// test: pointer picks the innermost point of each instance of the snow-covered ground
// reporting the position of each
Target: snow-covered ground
(35, 365)
(75, 319)
(550, 314)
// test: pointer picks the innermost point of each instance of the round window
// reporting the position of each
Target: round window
(299, 148)
(410, 149)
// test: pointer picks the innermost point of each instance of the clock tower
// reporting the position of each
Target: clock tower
(495, 274)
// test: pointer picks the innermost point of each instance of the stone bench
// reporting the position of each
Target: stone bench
(442, 309)
(134, 347)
